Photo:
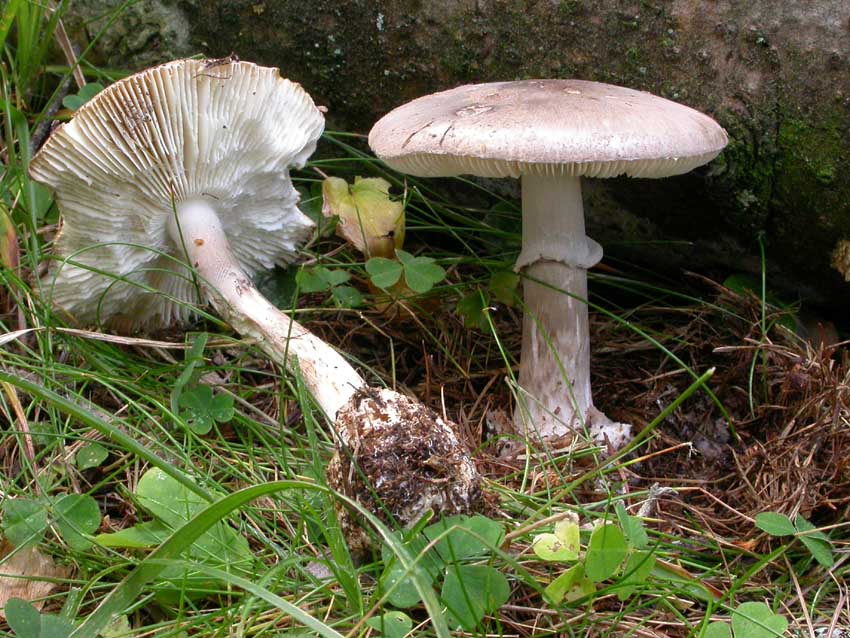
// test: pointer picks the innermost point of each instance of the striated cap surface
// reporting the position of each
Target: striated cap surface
(545, 127)
(224, 132)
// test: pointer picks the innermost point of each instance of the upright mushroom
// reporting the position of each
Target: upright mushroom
(550, 133)
(183, 170)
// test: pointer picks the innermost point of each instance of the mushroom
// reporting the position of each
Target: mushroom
(551, 133)
(181, 172)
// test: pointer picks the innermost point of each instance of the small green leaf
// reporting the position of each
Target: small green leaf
(569, 586)
(221, 408)
(637, 570)
(420, 273)
(605, 552)
(472, 591)
(77, 517)
(775, 524)
(26, 622)
(717, 630)
(90, 455)
(632, 528)
(73, 102)
(347, 297)
(384, 272)
(24, 521)
(757, 620)
(471, 310)
(393, 624)
(504, 285)
(567, 531)
(815, 541)
(336, 277)
(563, 545)
(23, 618)
(311, 279)
(548, 547)
(463, 537)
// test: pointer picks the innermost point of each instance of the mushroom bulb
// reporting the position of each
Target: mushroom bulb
(181, 173)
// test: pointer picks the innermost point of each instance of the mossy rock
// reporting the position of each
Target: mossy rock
(775, 73)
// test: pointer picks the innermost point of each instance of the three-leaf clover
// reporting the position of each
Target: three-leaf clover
(620, 551)
(73, 102)
(750, 620)
(444, 551)
(201, 409)
(26, 621)
(74, 516)
(322, 279)
(420, 273)
(815, 541)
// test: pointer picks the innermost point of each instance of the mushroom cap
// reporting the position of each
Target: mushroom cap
(545, 127)
(222, 131)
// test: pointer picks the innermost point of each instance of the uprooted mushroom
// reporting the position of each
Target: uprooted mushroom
(174, 189)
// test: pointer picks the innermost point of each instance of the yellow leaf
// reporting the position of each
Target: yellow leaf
(26, 574)
(368, 219)
(8, 241)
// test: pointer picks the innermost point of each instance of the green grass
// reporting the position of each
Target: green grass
(263, 471)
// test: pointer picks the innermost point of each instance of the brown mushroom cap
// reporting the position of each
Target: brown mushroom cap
(545, 127)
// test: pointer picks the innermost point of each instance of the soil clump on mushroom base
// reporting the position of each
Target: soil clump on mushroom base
(398, 448)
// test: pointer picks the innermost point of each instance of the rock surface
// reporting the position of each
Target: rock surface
(775, 73)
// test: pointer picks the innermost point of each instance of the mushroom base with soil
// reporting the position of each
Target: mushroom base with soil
(395, 456)
(400, 460)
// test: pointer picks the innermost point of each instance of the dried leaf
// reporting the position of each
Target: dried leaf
(368, 218)
(26, 574)
(9, 255)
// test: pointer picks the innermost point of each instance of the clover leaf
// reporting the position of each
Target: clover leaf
(73, 102)
(562, 545)
(201, 409)
(322, 279)
(420, 273)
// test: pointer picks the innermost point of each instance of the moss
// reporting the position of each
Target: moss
(811, 206)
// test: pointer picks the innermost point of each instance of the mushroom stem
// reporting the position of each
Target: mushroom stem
(555, 361)
(331, 380)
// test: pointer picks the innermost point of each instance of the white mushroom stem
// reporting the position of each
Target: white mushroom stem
(327, 375)
(555, 361)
